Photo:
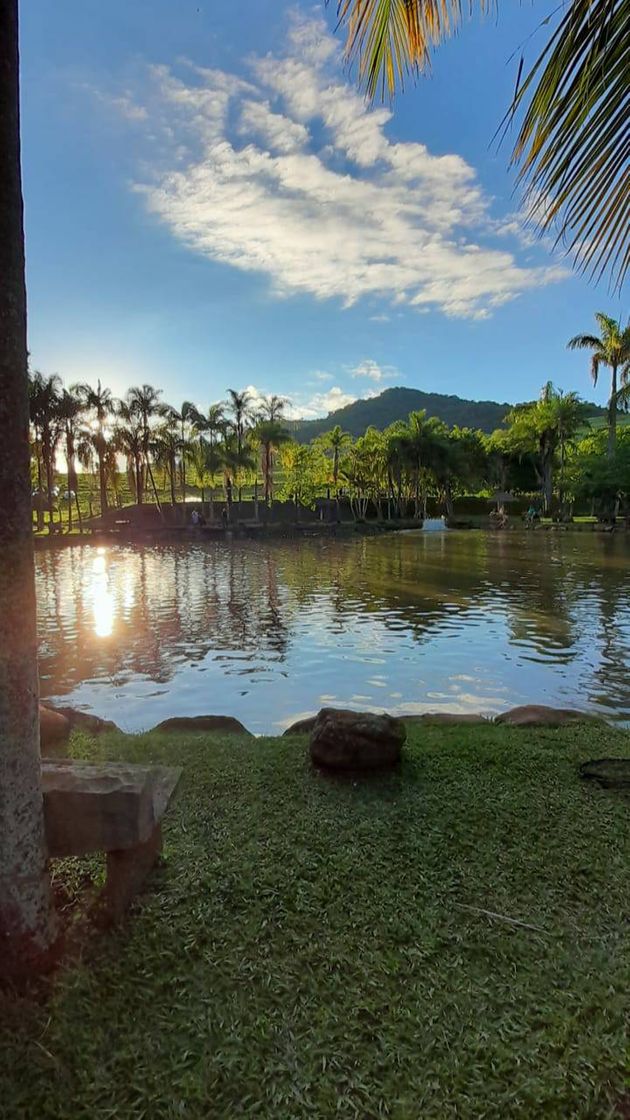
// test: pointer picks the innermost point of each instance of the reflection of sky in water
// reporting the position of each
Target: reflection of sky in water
(414, 622)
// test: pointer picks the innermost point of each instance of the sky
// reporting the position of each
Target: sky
(211, 203)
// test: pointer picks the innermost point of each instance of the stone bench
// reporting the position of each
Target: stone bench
(111, 807)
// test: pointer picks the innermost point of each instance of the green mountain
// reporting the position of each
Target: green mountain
(396, 404)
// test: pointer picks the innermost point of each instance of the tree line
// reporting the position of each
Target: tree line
(546, 447)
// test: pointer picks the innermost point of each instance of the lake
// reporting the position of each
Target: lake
(270, 632)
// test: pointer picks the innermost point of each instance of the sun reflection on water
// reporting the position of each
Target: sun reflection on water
(101, 596)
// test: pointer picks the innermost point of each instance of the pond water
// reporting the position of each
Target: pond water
(457, 621)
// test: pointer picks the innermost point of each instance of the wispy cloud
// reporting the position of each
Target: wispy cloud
(240, 174)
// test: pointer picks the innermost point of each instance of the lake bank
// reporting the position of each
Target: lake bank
(315, 947)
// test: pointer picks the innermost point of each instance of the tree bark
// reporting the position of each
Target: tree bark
(612, 414)
(26, 928)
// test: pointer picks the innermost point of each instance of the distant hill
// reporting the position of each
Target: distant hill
(396, 404)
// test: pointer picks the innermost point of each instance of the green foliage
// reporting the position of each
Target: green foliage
(305, 473)
(304, 950)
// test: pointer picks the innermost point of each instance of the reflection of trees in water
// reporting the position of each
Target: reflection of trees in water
(184, 604)
(172, 605)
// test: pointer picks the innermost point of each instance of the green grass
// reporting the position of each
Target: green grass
(302, 952)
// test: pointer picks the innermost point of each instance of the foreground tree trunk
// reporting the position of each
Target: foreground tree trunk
(25, 915)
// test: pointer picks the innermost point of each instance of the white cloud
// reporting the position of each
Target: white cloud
(320, 404)
(241, 176)
(373, 371)
(321, 375)
(382, 318)
(300, 406)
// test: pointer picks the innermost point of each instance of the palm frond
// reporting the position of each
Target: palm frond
(388, 39)
(573, 146)
(584, 342)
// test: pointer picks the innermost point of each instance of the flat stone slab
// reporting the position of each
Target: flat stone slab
(539, 715)
(103, 806)
(355, 741)
(181, 725)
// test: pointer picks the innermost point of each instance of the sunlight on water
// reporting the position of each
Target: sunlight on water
(270, 632)
(102, 598)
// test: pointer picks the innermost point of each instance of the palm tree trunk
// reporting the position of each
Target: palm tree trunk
(612, 414)
(26, 928)
(102, 481)
(184, 474)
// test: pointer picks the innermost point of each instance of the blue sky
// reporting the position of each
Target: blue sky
(210, 203)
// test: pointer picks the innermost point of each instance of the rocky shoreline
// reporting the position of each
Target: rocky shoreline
(57, 723)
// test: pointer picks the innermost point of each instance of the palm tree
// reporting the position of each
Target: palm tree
(208, 458)
(100, 402)
(420, 444)
(572, 146)
(336, 440)
(272, 408)
(144, 403)
(44, 396)
(239, 404)
(70, 409)
(182, 416)
(612, 349)
(129, 441)
(166, 447)
(271, 435)
(26, 925)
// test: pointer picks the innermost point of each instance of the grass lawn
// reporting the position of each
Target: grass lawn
(303, 953)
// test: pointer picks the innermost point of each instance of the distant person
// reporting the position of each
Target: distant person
(194, 517)
(224, 517)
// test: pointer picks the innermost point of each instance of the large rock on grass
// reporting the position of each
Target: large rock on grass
(85, 721)
(191, 725)
(54, 729)
(342, 740)
(539, 715)
(301, 726)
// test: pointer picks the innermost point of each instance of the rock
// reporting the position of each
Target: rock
(84, 721)
(192, 725)
(54, 729)
(342, 740)
(301, 726)
(445, 719)
(539, 715)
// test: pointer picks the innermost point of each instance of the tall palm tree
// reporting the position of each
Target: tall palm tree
(572, 146)
(207, 456)
(240, 405)
(182, 416)
(611, 349)
(44, 401)
(271, 435)
(129, 441)
(70, 411)
(336, 440)
(144, 403)
(273, 407)
(166, 448)
(420, 443)
(100, 403)
(26, 925)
